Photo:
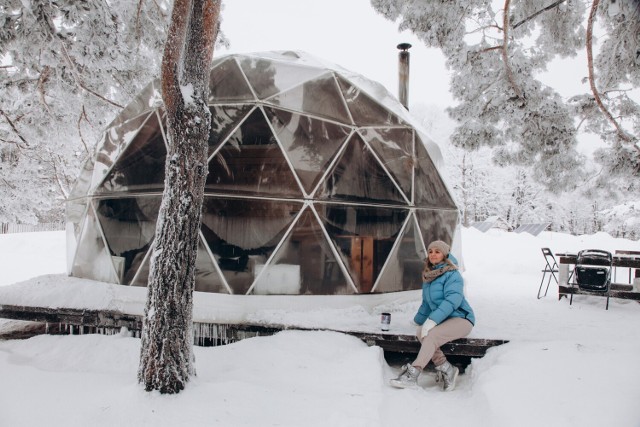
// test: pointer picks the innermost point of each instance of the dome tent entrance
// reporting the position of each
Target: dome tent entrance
(318, 184)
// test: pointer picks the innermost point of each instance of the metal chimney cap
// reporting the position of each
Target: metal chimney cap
(404, 46)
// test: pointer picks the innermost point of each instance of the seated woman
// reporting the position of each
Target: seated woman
(445, 315)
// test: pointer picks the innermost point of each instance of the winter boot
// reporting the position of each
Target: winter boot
(447, 373)
(408, 378)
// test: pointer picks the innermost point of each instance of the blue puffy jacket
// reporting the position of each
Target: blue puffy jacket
(443, 298)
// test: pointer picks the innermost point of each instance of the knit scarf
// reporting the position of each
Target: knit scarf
(430, 275)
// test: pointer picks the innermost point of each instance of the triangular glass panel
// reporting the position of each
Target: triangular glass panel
(364, 237)
(394, 147)
(403, 270)
(207, 277)
(227, 83)
(141, 166)
(114, 141)
(364, 109)
(310, 144)
(83, 182)
(75, 216)
(242, 234)
(252, 163)
(93, 260)
(224, 119)
(128, 224)
(141, 277)
(304, 264)
(319, 97)
(437, 224)
(269, 77)
(430, 190)
(358, 177)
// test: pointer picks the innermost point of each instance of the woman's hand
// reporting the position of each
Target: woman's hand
(426, 327)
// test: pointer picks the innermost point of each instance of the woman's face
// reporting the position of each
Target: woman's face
(435, 256)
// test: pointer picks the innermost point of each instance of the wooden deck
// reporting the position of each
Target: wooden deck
(77, 321)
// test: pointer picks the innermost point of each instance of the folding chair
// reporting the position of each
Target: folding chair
(550, 269)
(593, 272)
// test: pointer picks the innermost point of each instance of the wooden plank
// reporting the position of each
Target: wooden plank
(474, 347)
(91, 318)
(228, 333)
(623, 261)
(613, 293)
(362, 261)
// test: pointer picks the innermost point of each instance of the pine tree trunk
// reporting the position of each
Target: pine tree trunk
(166, 354)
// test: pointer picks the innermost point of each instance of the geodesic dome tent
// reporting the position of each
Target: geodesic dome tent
(318, 184)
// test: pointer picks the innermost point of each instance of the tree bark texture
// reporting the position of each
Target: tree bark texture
(166, 354)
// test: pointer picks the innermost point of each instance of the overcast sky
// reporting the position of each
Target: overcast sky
(346, 32)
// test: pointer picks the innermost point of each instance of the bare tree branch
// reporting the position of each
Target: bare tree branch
(624, 136)
(13, 127)
(138, 12)
(492, 48)
(78, 79)
(8, 184)
(56, 175)
(44, 77)
(529, 18)
(83, 115)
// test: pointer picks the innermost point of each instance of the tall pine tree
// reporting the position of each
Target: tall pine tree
(166, 355)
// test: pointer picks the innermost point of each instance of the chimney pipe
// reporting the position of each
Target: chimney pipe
(403, 74)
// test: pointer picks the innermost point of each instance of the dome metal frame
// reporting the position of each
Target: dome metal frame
(320, 183)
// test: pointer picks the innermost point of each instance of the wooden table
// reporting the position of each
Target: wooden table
(618, 290)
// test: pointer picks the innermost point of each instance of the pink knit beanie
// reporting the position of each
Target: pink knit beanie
(441, 246)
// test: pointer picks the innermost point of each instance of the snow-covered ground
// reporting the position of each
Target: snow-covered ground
(564, 365)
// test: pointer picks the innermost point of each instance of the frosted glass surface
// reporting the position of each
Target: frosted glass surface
(227, 83)
(224, 120)
(356, 230)
(364, 110)
(141, 165)
(403, 270)
(252, 162)
(430, 189)
(307, 247)
(129, 226)
(358, 177)
(319, 97)
(93, 260)
(394, 148)
(437, 224)
(83, 182)
(310, 144)
(270, 77)
(242, 234)
(116, 139)
(207, 277)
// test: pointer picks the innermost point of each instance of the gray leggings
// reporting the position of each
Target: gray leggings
(449, 330)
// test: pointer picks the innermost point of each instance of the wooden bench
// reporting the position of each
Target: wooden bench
(76, 321)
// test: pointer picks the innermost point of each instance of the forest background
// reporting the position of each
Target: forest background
(511, 143)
